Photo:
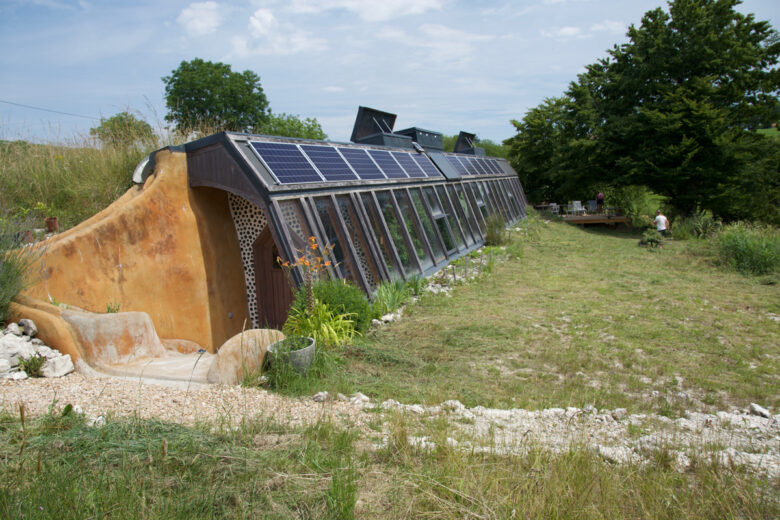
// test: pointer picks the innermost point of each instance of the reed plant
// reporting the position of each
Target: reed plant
(750, 249)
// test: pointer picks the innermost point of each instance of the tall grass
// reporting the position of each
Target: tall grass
(750, 249)
(15, 262)
(495, 230)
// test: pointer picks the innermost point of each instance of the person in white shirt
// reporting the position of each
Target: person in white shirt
(661, 223)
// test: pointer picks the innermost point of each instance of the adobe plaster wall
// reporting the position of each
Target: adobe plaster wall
(165, 249)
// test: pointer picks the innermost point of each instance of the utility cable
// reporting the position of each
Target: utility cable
(48, 110)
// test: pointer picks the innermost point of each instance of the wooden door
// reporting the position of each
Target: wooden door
(274, 296)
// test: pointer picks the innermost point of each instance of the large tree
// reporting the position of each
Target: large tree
(674, 109)
(201, 94)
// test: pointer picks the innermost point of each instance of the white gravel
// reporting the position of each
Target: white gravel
(737, 436)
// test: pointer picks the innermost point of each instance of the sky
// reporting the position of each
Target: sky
(443, 65)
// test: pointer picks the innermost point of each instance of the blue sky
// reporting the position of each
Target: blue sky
(445, 65)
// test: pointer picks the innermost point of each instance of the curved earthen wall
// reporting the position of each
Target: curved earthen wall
(165, 249)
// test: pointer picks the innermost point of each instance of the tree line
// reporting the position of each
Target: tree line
(675, 110)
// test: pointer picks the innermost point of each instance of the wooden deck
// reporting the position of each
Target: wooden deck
(582, 220)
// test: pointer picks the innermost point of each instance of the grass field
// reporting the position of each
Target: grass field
(582, 317)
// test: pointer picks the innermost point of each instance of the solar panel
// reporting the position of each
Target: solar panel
(362, 163)
(286, 162)
(426, 165)
(494, 166)
(469, 167)
(387, 164)
(498, 165)
(329, 162)
(408, 164)
(457, 164)
(485, 166)
(480, 169)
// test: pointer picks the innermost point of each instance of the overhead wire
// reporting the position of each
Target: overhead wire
(47, 110)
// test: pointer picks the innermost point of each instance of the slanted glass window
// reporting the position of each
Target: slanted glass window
(397, 234)
(463, 212)
(296, 223)
(385, 246)
(430, 232)
(334, 237)
(479, 198)
(451, 217)
(448, 229)
(415, 233)
(362, 250)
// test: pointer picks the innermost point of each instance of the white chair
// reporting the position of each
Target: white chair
(576, 207)
(554, 208)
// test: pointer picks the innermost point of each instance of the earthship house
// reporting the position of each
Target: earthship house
(189, 253)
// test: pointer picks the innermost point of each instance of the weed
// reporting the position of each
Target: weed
(416, 284)
(328, 328)
(112, 308)
(749, 249)
(15, 262)
(343, 298)
(651, 238)
(389, 296)
(32, 365)
(495, 230)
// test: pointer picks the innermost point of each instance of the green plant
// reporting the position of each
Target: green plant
(389, 296)
(15, 263)
(342, 297)
(32, 365)
(697, 226)
(416, 284)
(495, 230)
(328, 328)
(750, 249)
(113, 307)
(651, 238)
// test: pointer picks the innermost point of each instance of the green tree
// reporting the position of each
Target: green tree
(287, 125)
(202, 94)
(675, 109)
(122, 129)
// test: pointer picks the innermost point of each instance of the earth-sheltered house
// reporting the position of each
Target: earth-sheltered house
(189, 253)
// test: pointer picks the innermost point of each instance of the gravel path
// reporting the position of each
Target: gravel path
(738, 437)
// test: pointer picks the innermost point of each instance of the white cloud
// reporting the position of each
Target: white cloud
(610, 26)
(333, 89)
(267, 35)
(368, 10)
(563, 33)
(443, 44)
(200, 18)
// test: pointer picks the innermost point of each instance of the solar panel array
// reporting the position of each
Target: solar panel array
(293, 163)
(470, 165)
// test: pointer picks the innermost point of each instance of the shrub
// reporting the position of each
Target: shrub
(342, 297)
(651, 238)
(279, 374)
(749, 249)
(389, 297)
(495, 230)
(328, 328)
(697, 226)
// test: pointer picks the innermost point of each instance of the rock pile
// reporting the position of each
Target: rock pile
(19, 345)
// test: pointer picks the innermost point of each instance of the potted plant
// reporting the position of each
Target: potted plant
(299, 351)
(52, 224)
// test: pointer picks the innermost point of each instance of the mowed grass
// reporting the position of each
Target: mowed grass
(584, 317)
(58, 467)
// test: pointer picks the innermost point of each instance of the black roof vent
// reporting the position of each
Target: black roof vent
(376, 127)
(428, 139)
(465, 144)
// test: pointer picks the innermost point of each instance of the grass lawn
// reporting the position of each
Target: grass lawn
(584, 317)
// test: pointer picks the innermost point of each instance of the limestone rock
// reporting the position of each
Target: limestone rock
(619, 414)
(16, 376)
(320, 397)
(57, 367)
(14, 329)
(759, 411)
(5, 366)
(13, 347)
(28, 328)
(242, 353)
